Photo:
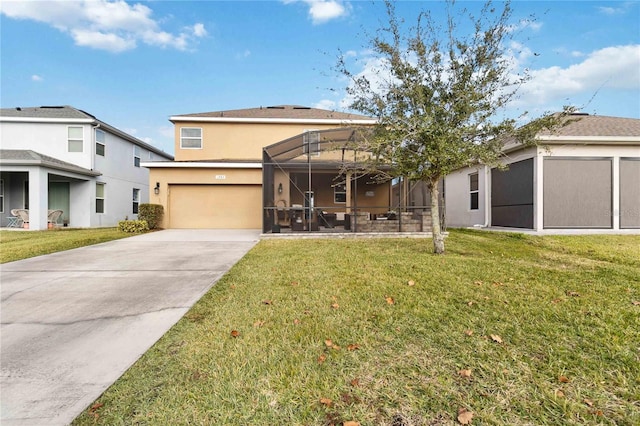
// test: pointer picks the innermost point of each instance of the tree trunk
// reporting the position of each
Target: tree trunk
(438, 238)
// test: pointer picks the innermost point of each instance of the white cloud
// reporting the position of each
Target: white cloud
(325, 104)
(112, 25)
(612, 67)
(36, 77)
(321, 11)
(621, 10)
(242, 55)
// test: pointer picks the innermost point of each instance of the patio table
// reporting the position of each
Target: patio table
(13, 222)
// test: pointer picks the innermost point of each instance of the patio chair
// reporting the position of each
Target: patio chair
(14, 220)
(23, 215)
(53, 216)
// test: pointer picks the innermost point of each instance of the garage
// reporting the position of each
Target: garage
(215, 206)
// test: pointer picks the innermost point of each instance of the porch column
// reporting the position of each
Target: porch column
(348, 185)
(38, 198)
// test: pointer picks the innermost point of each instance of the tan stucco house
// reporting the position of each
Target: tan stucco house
(289, 167)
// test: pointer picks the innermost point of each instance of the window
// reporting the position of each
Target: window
(75, 137)
(100, 142)
(99, 197)
(26, 195)
(340, 193)
(136, 200)
(311, 142)
(191, 138)
(1, 196)
(473, 191)
(136, 156)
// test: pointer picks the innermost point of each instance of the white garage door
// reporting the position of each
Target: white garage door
(215, 206)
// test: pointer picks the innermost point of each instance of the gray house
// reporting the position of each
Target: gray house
(62, 158)
(586, 176)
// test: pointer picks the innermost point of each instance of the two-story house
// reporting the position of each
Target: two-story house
(59, 157)
(288, 165)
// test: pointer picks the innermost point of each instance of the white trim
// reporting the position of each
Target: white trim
(590, 139)
(272, 120)
(198, 165)
(48, 120)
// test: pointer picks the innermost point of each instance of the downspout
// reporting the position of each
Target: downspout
(93, 145)
(487, 197)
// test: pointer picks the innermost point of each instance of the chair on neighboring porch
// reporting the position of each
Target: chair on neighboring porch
(23, 215)
(52, 217)
(14, 220)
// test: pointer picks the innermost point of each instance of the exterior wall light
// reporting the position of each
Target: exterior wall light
(280, 188)
(156, 190)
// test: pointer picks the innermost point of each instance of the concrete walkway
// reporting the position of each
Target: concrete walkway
(73, 322)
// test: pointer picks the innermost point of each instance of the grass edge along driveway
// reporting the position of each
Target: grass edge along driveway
(504, 329)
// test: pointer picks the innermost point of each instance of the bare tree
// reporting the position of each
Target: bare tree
(439, 95)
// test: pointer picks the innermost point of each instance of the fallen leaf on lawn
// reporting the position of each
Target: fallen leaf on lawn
(335, 347)
(636, 303)
(355, 383)
(258, 323)
(351, 423)
(559, 393)
(465, 373)
(411, 283)
(588, 402)
(232, 286)
(389, 300)
(497, 284)
(335, 306)
(496, 338)
(563, 379)
(322, 358)
(470, 303)
(267, 302)
(95, 407)
(294, 283)
(235, 333)
(326, 401)
(554, 301)
(468, 332)
(328, 343)
(353, 347)
(464, 416)
(296, 321)
(477, 282)
(573, 293)
(598, 413)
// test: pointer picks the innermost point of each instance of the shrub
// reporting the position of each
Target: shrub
(133, 226)
(152, 213)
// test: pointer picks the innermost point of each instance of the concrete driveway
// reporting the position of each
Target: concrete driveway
(73, 322)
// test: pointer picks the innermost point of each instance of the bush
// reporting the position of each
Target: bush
(152, 213)
(133, 226)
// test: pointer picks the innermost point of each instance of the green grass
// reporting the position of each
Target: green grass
(562, 306)
(16, 245)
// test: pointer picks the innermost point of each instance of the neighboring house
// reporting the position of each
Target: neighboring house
(585, 176)
(59, 157)
(260, 167)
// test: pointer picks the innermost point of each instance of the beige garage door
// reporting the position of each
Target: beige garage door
(215, 206)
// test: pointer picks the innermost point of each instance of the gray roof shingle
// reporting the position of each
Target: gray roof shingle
(600, 126)
(65, 111)
(280, 111)
(27, 157)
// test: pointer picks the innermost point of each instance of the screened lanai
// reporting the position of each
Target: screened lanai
(319, 181)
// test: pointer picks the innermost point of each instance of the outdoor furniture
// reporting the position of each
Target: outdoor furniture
(52, 217)
(14, 221)
(23, 215)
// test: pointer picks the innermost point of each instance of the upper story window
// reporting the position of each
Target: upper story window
(340, 193)
(100, 142)
(473, 191)
(191, 138)
(136, 156)
(75, 138)
(311, 142)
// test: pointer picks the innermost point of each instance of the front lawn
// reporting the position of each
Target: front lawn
(504, 329)
(16, 245)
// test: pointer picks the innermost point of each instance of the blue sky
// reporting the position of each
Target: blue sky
(133, 64)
